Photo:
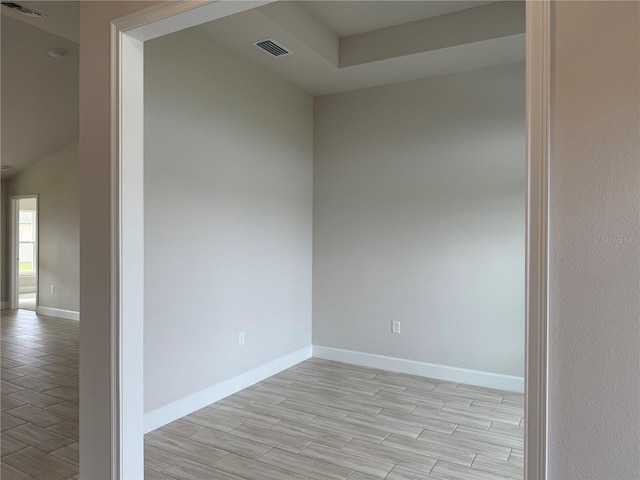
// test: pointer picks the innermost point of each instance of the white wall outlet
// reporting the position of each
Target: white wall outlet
(241, 339)
(53, 289)
(395, 326)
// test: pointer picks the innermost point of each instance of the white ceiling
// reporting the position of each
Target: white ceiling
(39, 104)
(448, 40)
(350, 18)
(62, 17)
(40, 94)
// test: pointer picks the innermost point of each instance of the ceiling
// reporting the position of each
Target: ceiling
(40, 94)
(346, 18)
(62, 17)
(340, 46)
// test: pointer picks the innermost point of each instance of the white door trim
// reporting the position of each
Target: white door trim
(14, 240)
(127, 246)
(538, 61)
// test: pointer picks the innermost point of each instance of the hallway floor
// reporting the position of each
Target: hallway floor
(39, 396)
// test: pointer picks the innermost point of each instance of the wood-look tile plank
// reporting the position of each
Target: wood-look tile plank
(493, 438)
(474, 445)
(10, 445)
(150, 474)
(356, 462)
(280, 412)
(8, 375)
(355, 431)
(40, 465)
(243, 416)
(8, 387)
(401, 473)
(7, 472)
(33, 383)
(270, 437)
(511, 469)
(7, 422)
(315, 409)
(220, 423)
(424, 423)
(182, 428)
(35, 398)
(41, 438)
(313, 467)
(453, 471)
(35, 415)
(466, 419)
(312, 434)
(230, 443)
(437, 451)
(249, 469)
(397, 456)
(158, 459)
(187, 448)
(9, 403)
(189, 470)
(68, 428)
(70, 453)
(398, 428)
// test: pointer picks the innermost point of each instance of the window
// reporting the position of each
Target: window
(27, 232)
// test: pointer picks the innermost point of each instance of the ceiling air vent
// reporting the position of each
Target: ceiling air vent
(29, 12)
(272, 47)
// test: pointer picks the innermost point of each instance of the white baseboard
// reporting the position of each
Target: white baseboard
(58, 313)
(440, 372)
(4, 305)
(175, 410)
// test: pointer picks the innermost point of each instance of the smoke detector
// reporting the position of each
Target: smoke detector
(57, 52)
(272, 47)
(29, 12)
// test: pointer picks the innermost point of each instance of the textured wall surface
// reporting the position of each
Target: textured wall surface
(594, 358)
(228, 217)
(55, 180)
(419, 216)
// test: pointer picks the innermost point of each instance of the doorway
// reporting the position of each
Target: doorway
(25, 268)
(127, 175)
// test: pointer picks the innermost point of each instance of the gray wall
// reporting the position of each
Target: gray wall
(419, 216)
(228, 217)
(55, 180)
(594, 331)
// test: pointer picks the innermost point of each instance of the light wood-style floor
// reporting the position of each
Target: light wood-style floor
(39, 396)
(318, 420)
(327, 420)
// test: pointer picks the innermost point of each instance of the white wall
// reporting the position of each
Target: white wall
(55, 180)
(96, 399)
(594, 331)
(419, 214)
(228, 217)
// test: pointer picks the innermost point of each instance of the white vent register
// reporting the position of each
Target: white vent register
(272, 47)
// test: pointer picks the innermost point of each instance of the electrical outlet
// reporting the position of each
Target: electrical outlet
(53, 289)
(241, 339)
(395, 326)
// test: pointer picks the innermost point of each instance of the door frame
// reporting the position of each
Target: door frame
(14, 242)
(128, 35)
